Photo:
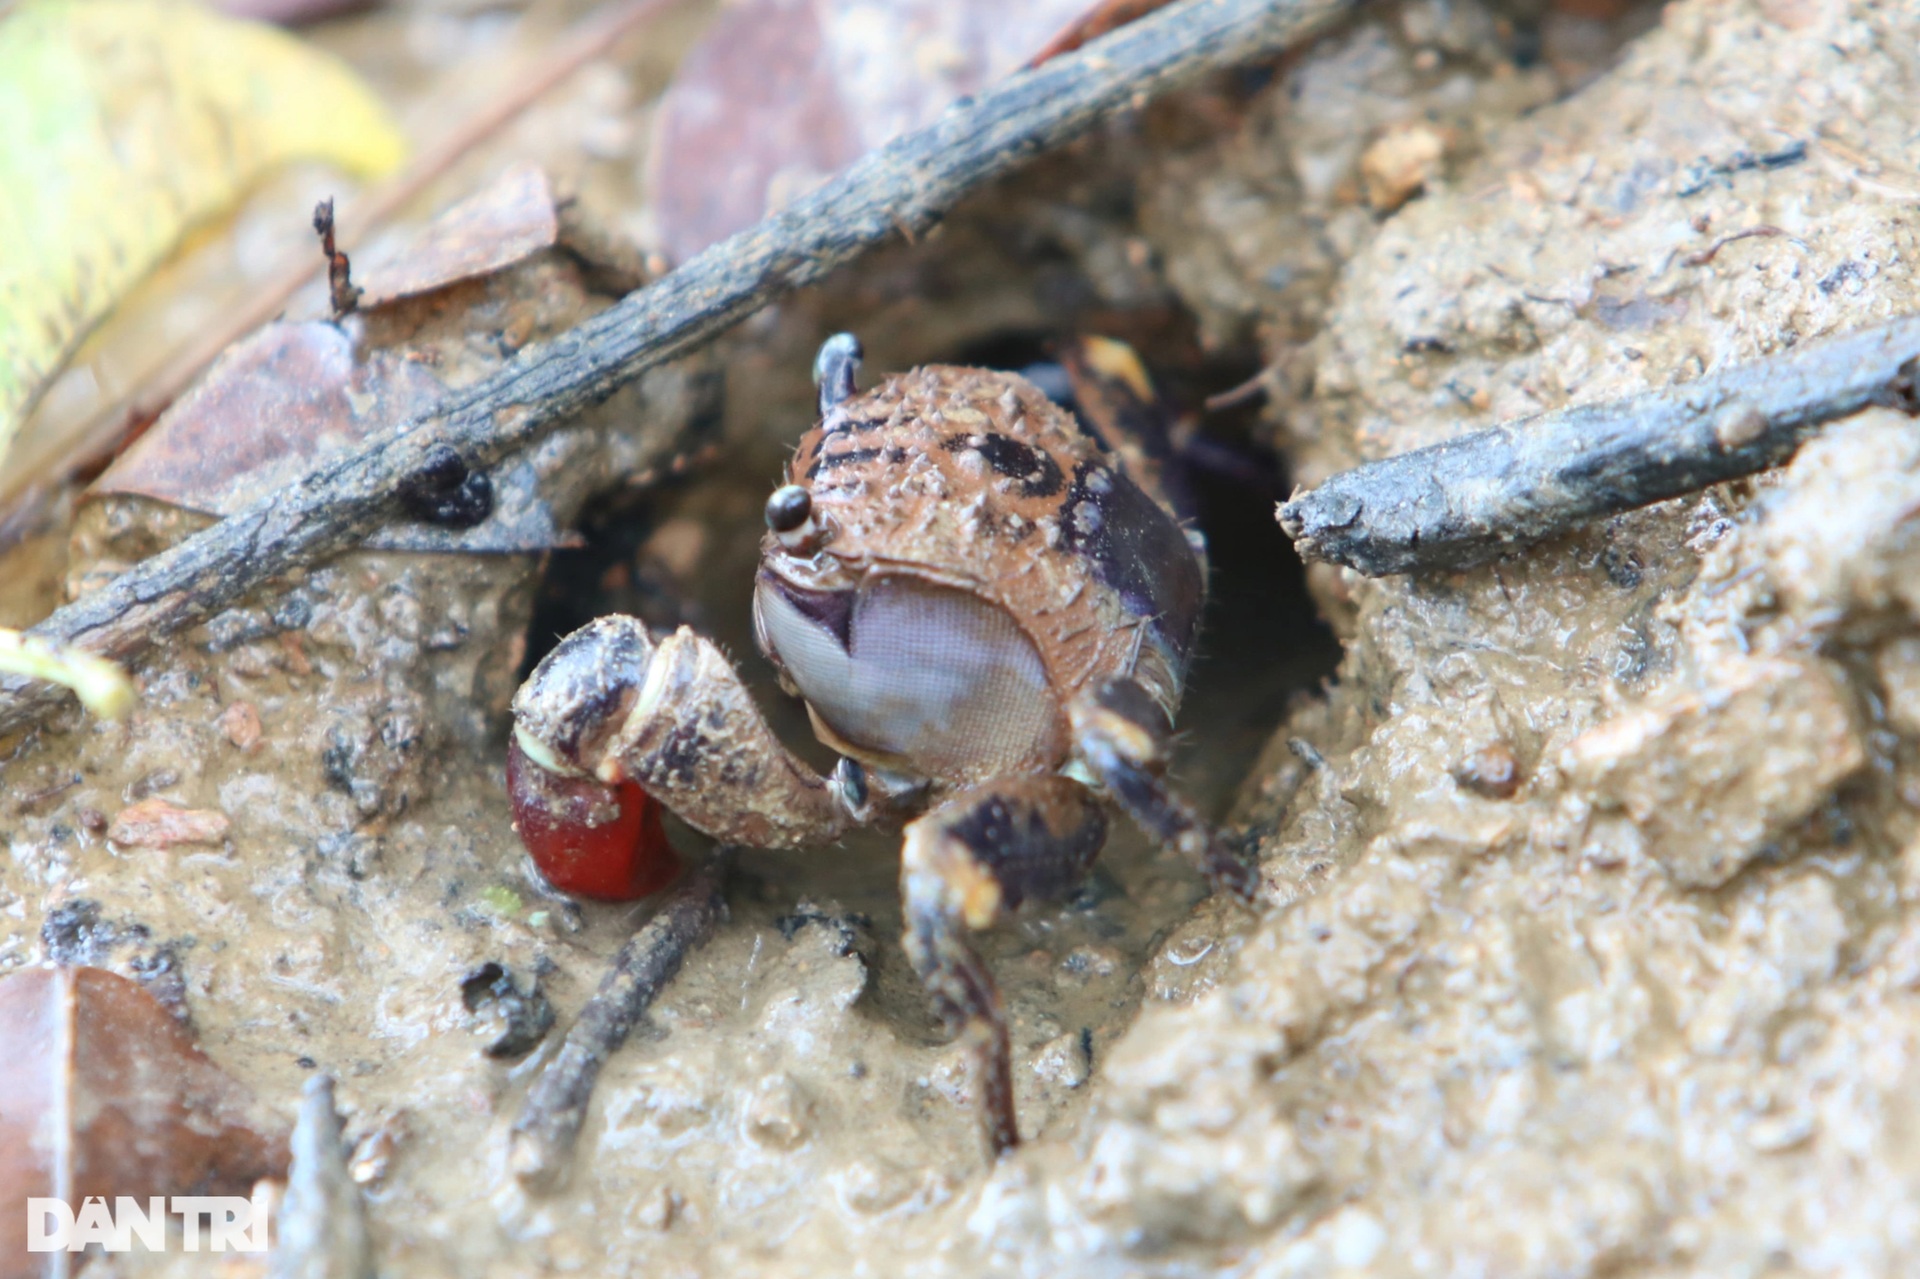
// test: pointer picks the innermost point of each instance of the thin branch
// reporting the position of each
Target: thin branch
(906, 185)
(1483, 495)
(541, 1142)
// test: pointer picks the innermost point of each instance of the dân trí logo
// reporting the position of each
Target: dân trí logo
(209, 1223)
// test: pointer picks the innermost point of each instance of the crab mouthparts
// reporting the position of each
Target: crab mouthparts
(912, 670)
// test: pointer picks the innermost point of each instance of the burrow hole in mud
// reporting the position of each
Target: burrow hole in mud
(685, 553)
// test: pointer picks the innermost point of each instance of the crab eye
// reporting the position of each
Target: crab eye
(789, 507)
(935, 677)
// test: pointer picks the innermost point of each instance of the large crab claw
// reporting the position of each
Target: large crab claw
(610, 704)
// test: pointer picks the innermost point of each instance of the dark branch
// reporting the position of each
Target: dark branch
(1483, 495)
(543, 1135)
(904, 186)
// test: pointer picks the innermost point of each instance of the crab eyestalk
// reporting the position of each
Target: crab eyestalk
(835, 369)
(790, 519)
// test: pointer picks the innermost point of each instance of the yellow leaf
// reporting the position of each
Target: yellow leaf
(123, 123)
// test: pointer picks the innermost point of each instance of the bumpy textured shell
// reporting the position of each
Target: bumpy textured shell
(975, 479)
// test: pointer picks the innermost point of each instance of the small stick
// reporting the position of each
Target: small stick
(1255, 387)
(540, 1145)
(1475, 498)
(911, 182)
(1712, 251)
(322, 1226)
(342, 293)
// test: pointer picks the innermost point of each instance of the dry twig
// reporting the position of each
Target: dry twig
(543, 1135)
(342, 293)
(904, 186)
(1469, 500)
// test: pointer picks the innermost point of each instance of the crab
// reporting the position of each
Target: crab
(988, 608)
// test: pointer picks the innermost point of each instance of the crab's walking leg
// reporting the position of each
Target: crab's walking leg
(964, 864)
(674, 717)
(1122, 734)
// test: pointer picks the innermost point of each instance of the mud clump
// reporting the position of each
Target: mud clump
(1714, 772)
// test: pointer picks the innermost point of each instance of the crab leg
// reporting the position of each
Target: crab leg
(965, 864)
(1121, 736)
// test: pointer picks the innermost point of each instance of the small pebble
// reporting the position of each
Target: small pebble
(1491, 772)
(241, 724)
(155, 823)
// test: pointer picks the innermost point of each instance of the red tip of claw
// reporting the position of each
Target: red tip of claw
(588, 838)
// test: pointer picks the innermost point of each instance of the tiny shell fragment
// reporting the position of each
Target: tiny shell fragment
(155, 823)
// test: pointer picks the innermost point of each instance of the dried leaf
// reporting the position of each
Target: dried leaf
(781, 94)
(103, 1093)
(275, 404)
(509, 221)
(290, 395)
(127, 121)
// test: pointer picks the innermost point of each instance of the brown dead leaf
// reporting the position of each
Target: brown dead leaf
(781, 94)
(508, 222)
(275, 404)
(103, 1092)
(294, 394)
(156, 823)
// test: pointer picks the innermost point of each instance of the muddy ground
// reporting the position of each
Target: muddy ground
(1588, 943)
